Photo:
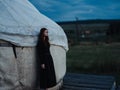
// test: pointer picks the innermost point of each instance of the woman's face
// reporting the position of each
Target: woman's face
(46, 33)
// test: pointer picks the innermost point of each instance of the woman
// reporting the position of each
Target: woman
(45, 62)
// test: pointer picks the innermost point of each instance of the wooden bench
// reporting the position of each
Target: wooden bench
(88, 82)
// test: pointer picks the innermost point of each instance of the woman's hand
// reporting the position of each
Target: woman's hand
(43, 66)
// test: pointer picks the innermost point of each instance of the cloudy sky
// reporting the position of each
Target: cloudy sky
(68, 10)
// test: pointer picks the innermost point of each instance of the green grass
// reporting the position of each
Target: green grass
(95, 59)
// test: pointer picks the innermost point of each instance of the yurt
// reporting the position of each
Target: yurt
(20, 24)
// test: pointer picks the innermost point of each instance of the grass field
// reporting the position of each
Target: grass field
(95, 59)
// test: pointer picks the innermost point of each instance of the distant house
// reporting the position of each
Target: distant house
(91, 30)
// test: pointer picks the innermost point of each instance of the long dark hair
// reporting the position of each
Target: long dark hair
(41, 37)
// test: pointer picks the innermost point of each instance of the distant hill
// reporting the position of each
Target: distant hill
(91, 21)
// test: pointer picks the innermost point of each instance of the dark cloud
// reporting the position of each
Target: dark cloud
(62, 10)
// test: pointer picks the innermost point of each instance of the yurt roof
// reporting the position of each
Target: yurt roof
(20, 24)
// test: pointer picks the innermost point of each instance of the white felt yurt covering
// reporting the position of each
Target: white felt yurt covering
(20, 24)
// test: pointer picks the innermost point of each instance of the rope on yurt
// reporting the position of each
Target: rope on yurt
(14, 50)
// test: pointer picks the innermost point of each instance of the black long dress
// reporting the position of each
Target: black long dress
(46, 76)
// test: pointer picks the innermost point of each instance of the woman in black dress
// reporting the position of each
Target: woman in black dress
(45, 64)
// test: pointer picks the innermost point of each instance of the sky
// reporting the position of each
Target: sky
(69, 10)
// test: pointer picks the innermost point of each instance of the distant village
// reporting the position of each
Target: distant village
(93, 31)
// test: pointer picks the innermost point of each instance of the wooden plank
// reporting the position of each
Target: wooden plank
(79, 88)
(84, 80)
(87, 82)
(88, 85)
(87, 76)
